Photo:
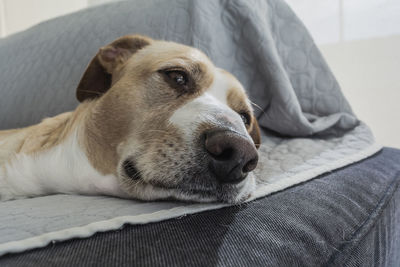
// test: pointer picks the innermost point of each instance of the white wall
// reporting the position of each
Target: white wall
(369, 74)
(331, 21)
(360, 39)
(99, 2)
(2, 22)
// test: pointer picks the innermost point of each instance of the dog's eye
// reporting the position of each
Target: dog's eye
(177, 76)
(178, 79)
(245, 118)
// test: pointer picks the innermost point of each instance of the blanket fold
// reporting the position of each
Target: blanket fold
(268, 48)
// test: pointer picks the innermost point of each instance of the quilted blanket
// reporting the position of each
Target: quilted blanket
(308, 126)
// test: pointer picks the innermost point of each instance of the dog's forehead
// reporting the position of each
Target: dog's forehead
(162, 54)
(226, 88)
(223, 86)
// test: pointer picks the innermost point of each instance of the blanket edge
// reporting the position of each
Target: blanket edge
(118, 222)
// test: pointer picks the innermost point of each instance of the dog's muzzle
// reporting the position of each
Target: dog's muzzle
(232, 155)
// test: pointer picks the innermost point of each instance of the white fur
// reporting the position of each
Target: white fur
(220, 86)
(205, 108)
(209, 107)
(61, 169)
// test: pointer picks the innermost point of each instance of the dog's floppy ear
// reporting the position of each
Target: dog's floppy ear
(98, 76)
(255, 133)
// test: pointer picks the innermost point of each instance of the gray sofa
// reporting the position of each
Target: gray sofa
(347, 217)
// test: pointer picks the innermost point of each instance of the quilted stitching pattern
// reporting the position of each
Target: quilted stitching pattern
(261, 42)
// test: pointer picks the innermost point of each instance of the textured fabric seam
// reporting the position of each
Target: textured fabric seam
(361, 232)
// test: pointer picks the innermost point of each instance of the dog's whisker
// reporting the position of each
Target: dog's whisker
(90, 91)
(152, 142)
(257, 106)
(158, 131)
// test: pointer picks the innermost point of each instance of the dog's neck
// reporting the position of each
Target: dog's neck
(52, 157)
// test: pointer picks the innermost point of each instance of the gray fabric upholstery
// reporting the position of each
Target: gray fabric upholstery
(350, 217)
(260, 41)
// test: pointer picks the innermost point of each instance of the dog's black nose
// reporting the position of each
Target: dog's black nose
(233, 156)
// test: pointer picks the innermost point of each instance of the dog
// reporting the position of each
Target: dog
(156, 120)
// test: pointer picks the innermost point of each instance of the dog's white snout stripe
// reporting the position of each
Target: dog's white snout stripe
(219, 88)
(211, 107)
(205, 109)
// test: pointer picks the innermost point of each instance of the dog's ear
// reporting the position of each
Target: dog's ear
(98, 76)
(255, 132)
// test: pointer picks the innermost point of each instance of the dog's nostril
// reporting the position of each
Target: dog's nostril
(225, 154)
(218, 148)
(130, 170)
(232, 155)
(250, 166)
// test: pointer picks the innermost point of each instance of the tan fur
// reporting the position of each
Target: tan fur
(237, 100)
(111, 121)
(127, 103)
(107, 121)
(40, 137)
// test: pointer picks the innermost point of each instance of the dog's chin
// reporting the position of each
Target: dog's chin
(225, 193)
(239, 193)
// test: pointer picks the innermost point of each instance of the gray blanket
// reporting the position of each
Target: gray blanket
(308, 126)
(261, 42)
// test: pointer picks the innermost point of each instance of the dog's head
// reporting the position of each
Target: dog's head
(169, 123)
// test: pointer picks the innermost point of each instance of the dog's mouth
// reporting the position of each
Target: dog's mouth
(227, 193)
(134, 174)
(130, 170)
